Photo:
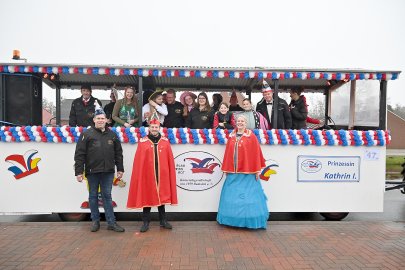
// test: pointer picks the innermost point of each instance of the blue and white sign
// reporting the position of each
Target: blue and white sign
(328, 169)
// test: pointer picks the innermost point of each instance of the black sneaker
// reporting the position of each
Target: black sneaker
(116, 228)
(96, 226)
(166, 225)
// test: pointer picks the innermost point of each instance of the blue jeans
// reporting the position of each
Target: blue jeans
(104, 180)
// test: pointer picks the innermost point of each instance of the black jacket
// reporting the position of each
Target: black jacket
(299, 113)
(108, 109)
(283, 117)
(81, 115)
(236, 108)
(200, 119)
(98, 151)
(174, 118)
(228, 120)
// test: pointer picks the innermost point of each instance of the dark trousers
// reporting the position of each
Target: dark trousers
(146, 213)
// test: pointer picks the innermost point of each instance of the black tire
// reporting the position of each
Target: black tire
(334, 216)
(74, 216)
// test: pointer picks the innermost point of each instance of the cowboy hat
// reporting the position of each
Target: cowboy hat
(155, 94)
(185, 94)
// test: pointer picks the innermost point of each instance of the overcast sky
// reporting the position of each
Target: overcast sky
(315, 34)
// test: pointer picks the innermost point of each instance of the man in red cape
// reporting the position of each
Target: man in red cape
(153, 180)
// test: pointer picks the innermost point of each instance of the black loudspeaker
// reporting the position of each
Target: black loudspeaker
(21, 99)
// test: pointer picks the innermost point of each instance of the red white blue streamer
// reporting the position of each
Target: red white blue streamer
(66, 134)
(197, 73)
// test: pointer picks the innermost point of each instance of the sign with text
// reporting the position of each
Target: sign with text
(328, 169)
(197, 170)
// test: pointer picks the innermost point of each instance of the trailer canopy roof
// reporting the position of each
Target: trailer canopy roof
(72, 76)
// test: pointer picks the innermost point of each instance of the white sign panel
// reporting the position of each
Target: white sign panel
(198, 170)
(328, 168)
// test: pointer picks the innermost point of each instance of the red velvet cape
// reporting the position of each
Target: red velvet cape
(144, 191)
(249, 154)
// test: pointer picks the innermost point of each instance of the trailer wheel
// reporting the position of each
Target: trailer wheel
(334, 216)
(73, 216)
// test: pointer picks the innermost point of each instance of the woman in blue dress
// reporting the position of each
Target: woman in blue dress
(243, 202)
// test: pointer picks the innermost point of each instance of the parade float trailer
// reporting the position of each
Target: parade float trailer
(333, 170)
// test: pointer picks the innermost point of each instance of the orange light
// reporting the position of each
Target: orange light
(16, 54)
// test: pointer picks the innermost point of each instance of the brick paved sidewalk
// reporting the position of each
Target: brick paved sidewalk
(204, 245)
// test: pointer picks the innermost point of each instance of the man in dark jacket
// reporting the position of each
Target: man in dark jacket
(174, 118)
(98, 152)
(266, 108)
(298, 109)
(82, 110)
